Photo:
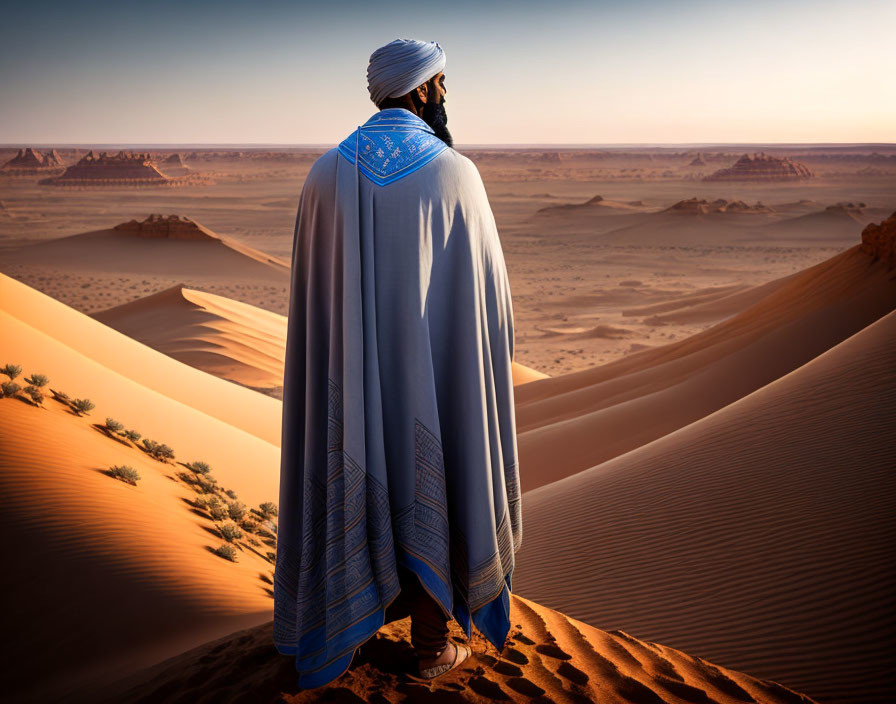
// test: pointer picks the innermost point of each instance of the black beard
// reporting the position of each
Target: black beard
(434, 115)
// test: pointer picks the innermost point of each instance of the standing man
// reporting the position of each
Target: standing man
(399, 488)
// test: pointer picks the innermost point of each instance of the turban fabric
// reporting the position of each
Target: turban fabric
(402, 65)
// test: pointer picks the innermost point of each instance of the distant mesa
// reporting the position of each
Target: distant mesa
(880, 241)
(761, 167)
(30, 160)
(122, 169)
(698, 161)
(848, 208)
(174, 165)
(695, 206)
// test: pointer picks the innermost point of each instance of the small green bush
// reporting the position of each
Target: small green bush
(61, 396)
(9, 388)
(236, 509)
(218, 512)
(11, 370)
(114, 425)
(132, 435)
(125, 473)
(82, 405)
(230, 532)
(231, 493)
(268, 509)
(38, 380)
(228, 552)
(200, 467)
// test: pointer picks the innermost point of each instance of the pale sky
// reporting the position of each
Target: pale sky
(564, 72)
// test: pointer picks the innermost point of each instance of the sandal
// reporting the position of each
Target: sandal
(429, 673)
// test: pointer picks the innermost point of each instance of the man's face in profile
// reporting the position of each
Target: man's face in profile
(433, 113)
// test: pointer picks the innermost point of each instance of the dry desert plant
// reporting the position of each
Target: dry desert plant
(11, 370)
(228, 552)
(82, 405)
(125, 473)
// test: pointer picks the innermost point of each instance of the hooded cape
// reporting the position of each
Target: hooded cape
(399, 436)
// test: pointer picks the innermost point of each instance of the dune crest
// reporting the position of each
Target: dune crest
(548, 657)
(759, 536)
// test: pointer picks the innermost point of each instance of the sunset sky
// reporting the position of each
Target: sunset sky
(557, 72)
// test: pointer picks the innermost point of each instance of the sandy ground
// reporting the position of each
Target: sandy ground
(703, 406)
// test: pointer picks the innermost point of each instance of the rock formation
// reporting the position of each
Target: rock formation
(30, 160)
(761, 167)
(698, 161)
(172, 227)
(880, 241)
(695, 206)
(124, 168)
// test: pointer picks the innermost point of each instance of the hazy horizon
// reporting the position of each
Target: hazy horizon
(598, 73)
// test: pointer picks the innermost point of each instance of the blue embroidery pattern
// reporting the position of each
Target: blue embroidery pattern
(392, 143)
(357, 576)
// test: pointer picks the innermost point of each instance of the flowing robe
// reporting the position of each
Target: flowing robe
(399, 435)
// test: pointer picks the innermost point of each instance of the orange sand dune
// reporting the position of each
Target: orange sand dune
(86, 358)
(224, 337)
(575, 421)
(549, 658)
(221, 336)
(104, 577)
(200, 253)
(759, 536)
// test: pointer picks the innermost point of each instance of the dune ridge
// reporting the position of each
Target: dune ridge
(759, 536)
(549, 657)
(571, 422)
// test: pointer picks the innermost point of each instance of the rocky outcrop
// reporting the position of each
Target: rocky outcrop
(31, 160)
(695, 206)
(698, 161)
(880, 241)
(762, 167)
(172, 227)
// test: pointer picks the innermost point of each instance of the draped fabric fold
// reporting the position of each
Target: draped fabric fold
(399, 437)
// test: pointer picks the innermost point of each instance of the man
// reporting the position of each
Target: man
(399, 479)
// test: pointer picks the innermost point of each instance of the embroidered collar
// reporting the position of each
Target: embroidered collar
(393, 143)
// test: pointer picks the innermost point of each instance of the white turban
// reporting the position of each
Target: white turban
(402, 65)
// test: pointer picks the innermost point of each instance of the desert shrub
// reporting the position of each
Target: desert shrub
(9, 388)
(207, 483)
(60, 396)
(82, 405)
(200, 467)
(11, 370)
(271, 557)
(35, 393)
(206, 501)
(132, 435)
(236, 509)
(230, 532)
(158, 450)
(249, 525)
(218, 512)
(114, 425)
(38, 380)
(231, 493)
(268, 509)
(125, 473)
(228, 552)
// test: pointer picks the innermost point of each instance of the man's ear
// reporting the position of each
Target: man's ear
(423, 92)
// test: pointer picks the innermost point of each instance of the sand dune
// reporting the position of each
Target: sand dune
(86, 358)
(571, 422)
(123, 249)
(759, 536)
(107, 577)
(549, 658)
(230, 339)
(224, 337)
